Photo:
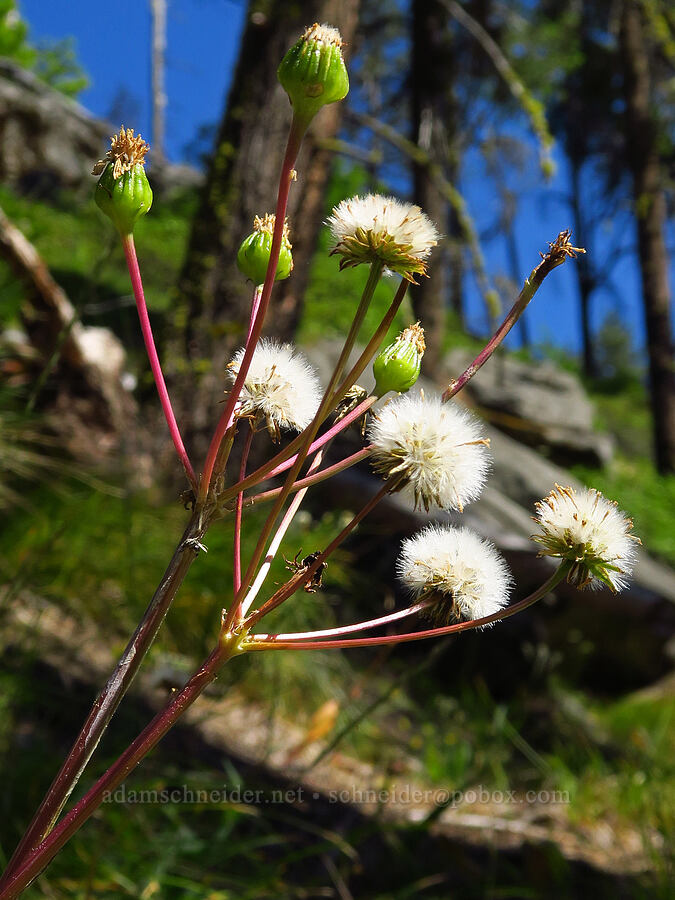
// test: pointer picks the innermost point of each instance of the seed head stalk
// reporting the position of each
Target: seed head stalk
(560, 250)
(270, 641)
(238, 511)
(286, 457)
(155, 365)
(348, 629)
(275, 543)
(310, 432)
(292, 148)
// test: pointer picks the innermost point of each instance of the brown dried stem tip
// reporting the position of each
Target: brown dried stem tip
(126, 150)
(561, 249)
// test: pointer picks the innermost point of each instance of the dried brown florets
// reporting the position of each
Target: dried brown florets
(415, 334)
(126, 150)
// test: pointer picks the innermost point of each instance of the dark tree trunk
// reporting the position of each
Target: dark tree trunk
(585, 279)
(213, 298)
(428, 88)
(650, 211)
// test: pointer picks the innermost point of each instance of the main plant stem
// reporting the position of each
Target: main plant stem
(292, 148)
(109, 699)
(116, 774)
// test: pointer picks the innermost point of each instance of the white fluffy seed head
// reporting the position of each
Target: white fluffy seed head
(591, 533)
(280, 389)
(372, 228)
(469, 578)
(437, 449)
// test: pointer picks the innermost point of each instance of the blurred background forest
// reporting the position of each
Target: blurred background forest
(506, 122)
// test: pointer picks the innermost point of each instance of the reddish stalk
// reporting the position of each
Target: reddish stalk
(560, 250)
(294, 140)
(345, 629)
(332, 432)
(115, 775)
(155, 365)
(304, 576)
(266, 644)
(309, 480)
(273, 549)
(238, 510)
(109, 698)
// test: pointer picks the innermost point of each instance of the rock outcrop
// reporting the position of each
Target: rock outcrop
(49, 142)
(539, 404)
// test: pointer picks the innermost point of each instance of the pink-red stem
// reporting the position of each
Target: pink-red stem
(351, 643)
(155, 365)
(345, 629)
(292, 147)
(115, 775)
(332, 432)
(315, 478)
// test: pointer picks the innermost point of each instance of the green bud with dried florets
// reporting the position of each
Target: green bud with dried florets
(123, 192)
(313, 72)
(397, 368)
(254, 254)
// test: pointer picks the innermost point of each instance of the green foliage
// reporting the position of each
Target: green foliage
(619, 365)
(84, 254)
(14, 36)
(54, 62)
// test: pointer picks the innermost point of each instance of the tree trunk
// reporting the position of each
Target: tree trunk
(585, 279)
(158, 8)
(213, 297)
(650, 212)
(427, 89)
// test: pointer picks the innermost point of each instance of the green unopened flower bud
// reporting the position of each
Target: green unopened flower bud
(123, 192)
(254, 254)
(397, 368)
(313, 72)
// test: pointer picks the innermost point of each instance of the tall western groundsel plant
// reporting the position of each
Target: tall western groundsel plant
(425, 446)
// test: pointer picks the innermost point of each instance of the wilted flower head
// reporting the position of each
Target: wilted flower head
(466, 573)
(254, 253)
(280, 389)
(123, 192)
(591, 533)
(438, 451)
(372, 228)
(126, 151)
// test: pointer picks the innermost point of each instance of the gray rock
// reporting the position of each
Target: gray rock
(537, 403)
(48, 141)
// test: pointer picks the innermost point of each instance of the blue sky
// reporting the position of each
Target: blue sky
(113, 42)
